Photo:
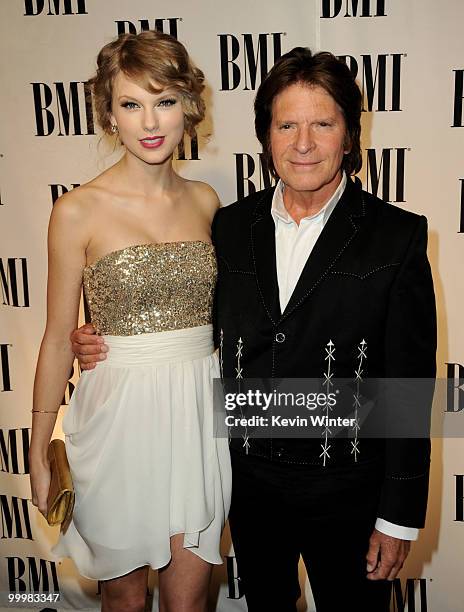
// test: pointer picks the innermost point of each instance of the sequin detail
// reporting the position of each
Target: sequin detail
(151, 288)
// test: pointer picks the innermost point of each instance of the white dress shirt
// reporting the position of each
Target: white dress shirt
(294, 244)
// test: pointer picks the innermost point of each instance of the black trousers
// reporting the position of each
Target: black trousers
(327, 515)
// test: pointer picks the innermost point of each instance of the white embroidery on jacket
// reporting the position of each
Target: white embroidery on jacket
(221, 370)
(238, 354)
(362, 348)
(239, 371)
(221, 353)
(329, 357)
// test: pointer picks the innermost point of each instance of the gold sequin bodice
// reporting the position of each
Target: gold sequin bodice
(151, 288)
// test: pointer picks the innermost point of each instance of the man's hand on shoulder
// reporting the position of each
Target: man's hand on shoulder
(386, 556)
(88, 347)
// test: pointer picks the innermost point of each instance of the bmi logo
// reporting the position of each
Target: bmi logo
(461, 224)
(54, 7)
(380, 77)
(5, 367)
(15, 519)
(69, 389)
(64, 109)
(251, 174)
(14, 281)
(233, 579)
(57, 190)
(459, 478)
(353, 8)
(455, 387)
(187, 149)
(31, 575)
(458, 97)
(14, 450)
(167, 25)
(246, 59)
(412, 600)
(385, 171)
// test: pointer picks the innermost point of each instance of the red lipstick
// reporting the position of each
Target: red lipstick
(152, 142)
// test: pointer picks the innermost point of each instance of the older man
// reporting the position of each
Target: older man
(312, 268)
(313, 271)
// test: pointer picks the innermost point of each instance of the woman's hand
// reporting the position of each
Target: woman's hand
(40, 483)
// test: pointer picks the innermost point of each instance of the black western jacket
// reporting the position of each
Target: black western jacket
(366, 281)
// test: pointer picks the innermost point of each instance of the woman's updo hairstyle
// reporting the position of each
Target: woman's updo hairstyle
(148, 58)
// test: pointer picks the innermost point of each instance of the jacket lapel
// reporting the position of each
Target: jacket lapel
(264, 255)
(340, 229)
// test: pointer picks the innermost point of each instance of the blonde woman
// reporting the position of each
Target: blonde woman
(152, 483)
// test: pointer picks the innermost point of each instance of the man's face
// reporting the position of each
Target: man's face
(308, 140)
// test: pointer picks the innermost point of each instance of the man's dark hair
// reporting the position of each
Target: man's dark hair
(323, 70)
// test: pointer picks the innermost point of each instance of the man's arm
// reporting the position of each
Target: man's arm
(88, 347)
(410, 360)
(410, 344)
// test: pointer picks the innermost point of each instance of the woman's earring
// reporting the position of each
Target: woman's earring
(114, 128)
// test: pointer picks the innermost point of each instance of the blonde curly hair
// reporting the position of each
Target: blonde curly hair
(147, 58)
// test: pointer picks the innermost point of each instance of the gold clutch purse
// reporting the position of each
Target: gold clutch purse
(60, 501)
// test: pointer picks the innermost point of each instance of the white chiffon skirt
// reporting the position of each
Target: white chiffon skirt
(143, 456)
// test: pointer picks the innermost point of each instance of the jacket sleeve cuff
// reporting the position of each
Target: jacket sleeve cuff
(396, 531)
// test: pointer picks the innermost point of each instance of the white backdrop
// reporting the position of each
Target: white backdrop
(410, 62)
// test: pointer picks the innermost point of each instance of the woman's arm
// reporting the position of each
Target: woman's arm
(67, 242)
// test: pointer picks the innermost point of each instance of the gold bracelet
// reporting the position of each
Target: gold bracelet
(48, 411)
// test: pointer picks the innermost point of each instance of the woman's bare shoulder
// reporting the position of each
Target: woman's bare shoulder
(81, 201)
(79, 208)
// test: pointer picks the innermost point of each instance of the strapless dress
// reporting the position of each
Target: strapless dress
(139, 427)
